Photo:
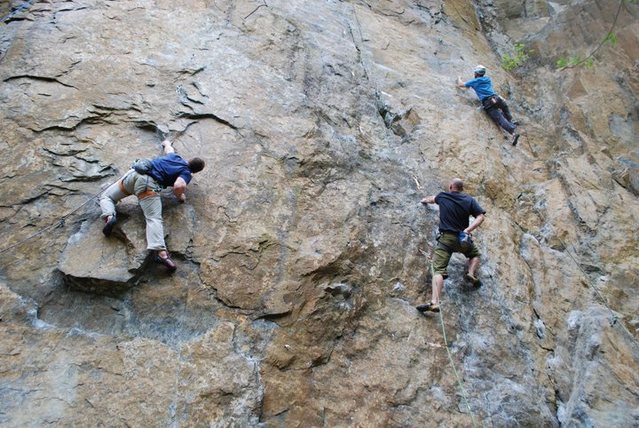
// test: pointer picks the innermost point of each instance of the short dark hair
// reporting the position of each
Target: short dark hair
(457, 184)
(196, 165)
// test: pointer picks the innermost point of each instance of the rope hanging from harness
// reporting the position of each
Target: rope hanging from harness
(57, 224)
(450, 356)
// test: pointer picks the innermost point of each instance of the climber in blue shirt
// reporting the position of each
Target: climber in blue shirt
(494, 105)
(169, 170)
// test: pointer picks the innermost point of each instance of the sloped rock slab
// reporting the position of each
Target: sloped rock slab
(94, 263)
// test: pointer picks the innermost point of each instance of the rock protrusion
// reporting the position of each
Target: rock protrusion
(91, 262)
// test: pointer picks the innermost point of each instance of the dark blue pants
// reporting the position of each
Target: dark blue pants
(498, 111)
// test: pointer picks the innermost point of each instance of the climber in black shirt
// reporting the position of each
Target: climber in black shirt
(455, 207)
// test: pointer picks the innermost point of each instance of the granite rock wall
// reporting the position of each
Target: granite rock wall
(302, 247)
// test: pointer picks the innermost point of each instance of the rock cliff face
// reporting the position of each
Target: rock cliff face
(302, 247)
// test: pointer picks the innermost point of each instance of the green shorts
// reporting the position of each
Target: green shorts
(447, 244)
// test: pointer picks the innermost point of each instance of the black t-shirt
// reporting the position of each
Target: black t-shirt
(454, 210)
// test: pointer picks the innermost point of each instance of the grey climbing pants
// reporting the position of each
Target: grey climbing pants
(147, 190)
(499, 112)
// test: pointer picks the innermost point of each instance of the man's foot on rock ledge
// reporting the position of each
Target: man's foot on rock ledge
(473, 280)
(109, 222)
(428, 307)
(167, 261)
(514, 139)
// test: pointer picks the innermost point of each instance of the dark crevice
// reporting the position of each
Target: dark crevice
(11, 16)
(40, 78)
(192, 71)
(197, 116)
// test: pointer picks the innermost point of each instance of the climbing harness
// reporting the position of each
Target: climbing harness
(122, 188)
(146, 194)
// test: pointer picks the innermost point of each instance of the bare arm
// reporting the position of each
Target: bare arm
(475, 224)
(179, 187)
(428, 200)
(168, 147)
(460, 84)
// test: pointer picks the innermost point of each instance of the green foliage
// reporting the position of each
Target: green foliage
(611, 38)
(578, 60)
(509, 62)
(574, 61)
(587, 62)
(561, 63)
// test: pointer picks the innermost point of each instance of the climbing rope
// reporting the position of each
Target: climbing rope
(450, 355)
(591, 285)
(452, 364)
(59, 223)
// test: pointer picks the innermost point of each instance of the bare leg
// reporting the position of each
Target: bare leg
(438, 285)
(473, 264)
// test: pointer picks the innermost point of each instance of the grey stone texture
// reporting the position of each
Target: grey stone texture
(302, 247)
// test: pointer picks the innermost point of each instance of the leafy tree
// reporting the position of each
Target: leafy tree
(588, 61)
(509, 63)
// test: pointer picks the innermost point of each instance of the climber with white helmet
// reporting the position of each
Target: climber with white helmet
(494, 105)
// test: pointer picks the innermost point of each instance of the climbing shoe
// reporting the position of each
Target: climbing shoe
(166, 261)
(475, 281)
(109, 222)
(515, 139)
(428, 307)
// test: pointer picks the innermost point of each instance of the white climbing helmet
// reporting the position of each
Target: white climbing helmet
(480, 69)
